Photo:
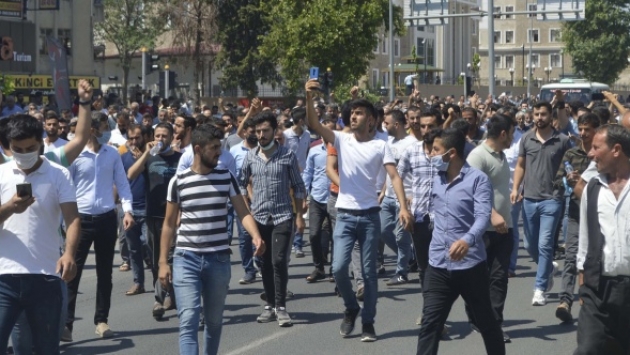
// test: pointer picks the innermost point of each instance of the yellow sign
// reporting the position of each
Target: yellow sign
(44, 82)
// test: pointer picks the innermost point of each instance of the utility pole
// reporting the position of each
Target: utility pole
(491, 46)
(166, 77)
(391, 52)
(143, 50)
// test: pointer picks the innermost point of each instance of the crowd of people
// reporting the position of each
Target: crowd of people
(440, 182)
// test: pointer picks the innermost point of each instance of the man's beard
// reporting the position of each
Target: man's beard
(208, 163)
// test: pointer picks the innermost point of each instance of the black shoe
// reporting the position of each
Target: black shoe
(360, 292)
(506, 338)
(368, 334)
(315, 276)
(347, 325)
(381, 269)
(474, 328)
(413, 266)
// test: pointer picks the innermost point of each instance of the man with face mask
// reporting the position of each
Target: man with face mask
(462, 203)
(94, 172)
(157, 170)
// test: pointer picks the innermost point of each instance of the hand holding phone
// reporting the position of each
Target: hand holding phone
(314, 73)
(24, 190)
(22, 199)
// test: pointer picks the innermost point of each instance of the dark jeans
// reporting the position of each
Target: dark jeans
(570, 272)
(39, 296)
(421, 237)
(442, 288)
(604, 318)
(230, 223)
(246, 248)
(499, 250)
(317, 214)
(102, 231)
(134, 242)
(274, 266)
(154, 233)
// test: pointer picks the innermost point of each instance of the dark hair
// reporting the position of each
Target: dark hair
(97, 118)
(398, 116)
(380, 111)
(363, 103)
(616, 134)
(205, 133)
(266, 116)
(51, 115)
(346, 112)
(413, 109)
(166, 126)
(22, 127)
(470, 109)
(589, 119)
(249, 124)
(499, 123)
(544, 104)
(327, 119)
(429, 137)
(603, 113)
(4, 132)
(148, 115)
(123, 114)
(189, 122)
(299, 114)
(461, 125)
(453, 138)
(575, 105)
(438, 115)
(229, 114)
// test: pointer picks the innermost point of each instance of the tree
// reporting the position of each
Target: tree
(340, 34)
(600, 44)
(193, 31)
(129, 25)
(241, 25)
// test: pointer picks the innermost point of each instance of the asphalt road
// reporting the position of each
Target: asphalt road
(316, 313)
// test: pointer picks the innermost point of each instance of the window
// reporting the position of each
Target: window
(430, 53)
(509, 9)
(532, 7)
(554, 35)
(43, 34)
(532, 36)
(535, 61)
(555, 60)
(509, 61)
(385, 82)
(497, 10)
(497, 61)
(65, 37)
(375, 75)
(420, 28)
(509, 36)
(497, 36)
(375, 50)
(385, 46)
(396, 47)
(420, 49)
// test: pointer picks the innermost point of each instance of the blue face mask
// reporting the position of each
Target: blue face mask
(439, 163)
(104, 138)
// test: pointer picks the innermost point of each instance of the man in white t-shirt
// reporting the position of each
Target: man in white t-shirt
(51, 127)
(360, 157)
(30, 266)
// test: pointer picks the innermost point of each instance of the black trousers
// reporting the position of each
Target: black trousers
(605, 318)
(499, 250)
(421, 238)
(154, 236)
(317, 214)
(274, 266)
(442, 288)
(101, 230)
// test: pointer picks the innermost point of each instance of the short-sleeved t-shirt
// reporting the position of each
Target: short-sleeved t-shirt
(360, 164)
(495, 165)
(397, 148)
(159, 170)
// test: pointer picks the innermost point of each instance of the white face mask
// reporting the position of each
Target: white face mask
(26, 161)
(70, 136)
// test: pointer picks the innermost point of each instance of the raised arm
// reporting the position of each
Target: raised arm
(311, 117)
(254, 108)
(84, 123)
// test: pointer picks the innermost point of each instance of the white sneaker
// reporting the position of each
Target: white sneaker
(554, 268)
(539, 298)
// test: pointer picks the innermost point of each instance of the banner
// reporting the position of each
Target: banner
(45, 82)
(59, 65)
(48, 5)
(11, 8)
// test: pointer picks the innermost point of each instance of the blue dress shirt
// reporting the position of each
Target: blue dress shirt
(462, 211)
(239, 152)
(314, 176)
(226, 161)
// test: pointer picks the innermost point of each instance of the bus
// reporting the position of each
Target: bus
(574, 90)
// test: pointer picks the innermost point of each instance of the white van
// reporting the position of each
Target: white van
(574, 90)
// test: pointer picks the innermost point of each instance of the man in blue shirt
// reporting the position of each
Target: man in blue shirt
(462, 203)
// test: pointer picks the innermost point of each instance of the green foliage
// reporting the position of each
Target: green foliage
(7, 85)
(129, 25)
(241, 26)
(476, 59)
(342, 93)
(600, 44)
(340, 34)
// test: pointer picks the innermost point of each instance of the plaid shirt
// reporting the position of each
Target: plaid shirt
(415, 161)
(271, 183)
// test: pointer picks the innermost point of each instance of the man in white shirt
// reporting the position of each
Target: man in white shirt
(30, 266)
(361, 157)
(118, 136)
(183, 127)
(95, 172)
(603, 257)
(51, 127)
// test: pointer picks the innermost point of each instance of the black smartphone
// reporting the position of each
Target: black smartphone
(598, 96)
(24, 190)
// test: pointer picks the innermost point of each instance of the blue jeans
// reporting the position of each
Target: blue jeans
(540, 218)
(394, 236)
(516, 215)
(197, 276)
(22, 338)
(134, 242)
(365, 229)
(40, 298)
(298, 240)
(246, 248)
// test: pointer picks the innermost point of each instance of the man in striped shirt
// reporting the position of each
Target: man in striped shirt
(201, 262)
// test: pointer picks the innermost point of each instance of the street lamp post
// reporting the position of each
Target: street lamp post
(548, 72)
(511, 70)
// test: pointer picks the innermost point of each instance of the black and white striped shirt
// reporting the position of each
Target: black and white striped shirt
(203, 201)
(271, 183)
